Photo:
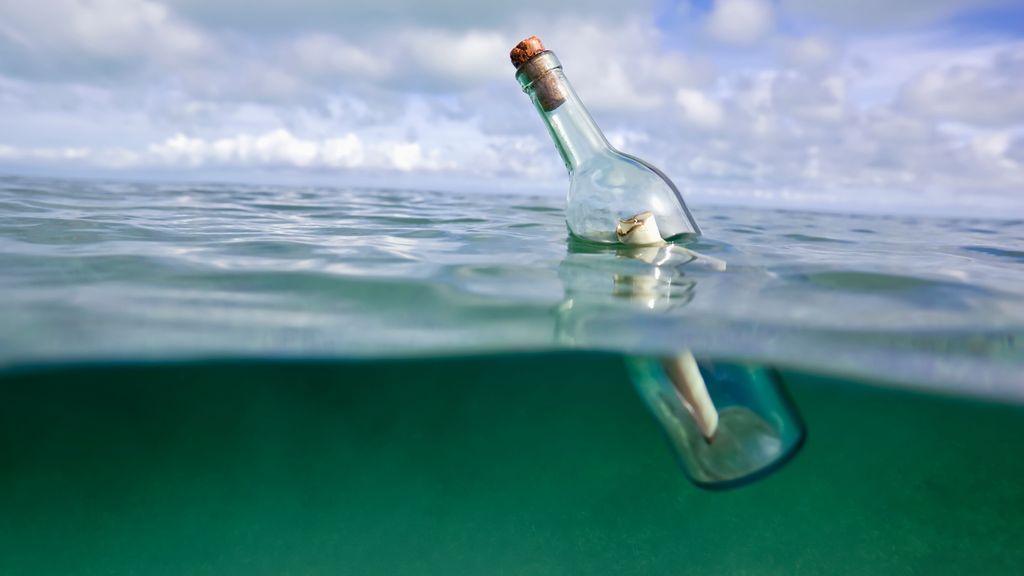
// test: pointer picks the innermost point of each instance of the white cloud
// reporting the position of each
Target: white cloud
(467, 58)
(989, 93)
(406, 58)
(118, 28)
(235, 86)
(86, 35)
(633, 73)
(1015, 151)
(281, 148)
(698, 109)
(809, 52)
(621, 139)
(342, 152)
(882, 14)
(321, 53)
(356, 17)
(820, 99)
(273, 148)
(740, 21)
(46, 154)
(992, 145)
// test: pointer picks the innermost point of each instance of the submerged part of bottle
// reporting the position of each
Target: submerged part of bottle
(607, 185)
(731, 424)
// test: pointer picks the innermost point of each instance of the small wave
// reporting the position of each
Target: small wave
(809, 238)
(870, 281)
(1016, 255)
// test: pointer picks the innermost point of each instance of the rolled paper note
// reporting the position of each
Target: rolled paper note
(642, 230)
(685, 375)
(639, 230)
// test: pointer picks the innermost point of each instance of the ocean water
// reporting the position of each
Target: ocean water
(122, 271)
(532, 464)
(250, 380)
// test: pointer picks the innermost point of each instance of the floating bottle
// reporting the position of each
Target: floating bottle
(728, 423)
(612, 195)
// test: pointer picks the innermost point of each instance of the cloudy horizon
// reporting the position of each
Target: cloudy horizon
(859, 104)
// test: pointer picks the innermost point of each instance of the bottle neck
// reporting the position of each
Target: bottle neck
(576, 135)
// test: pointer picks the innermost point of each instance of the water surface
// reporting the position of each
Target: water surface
(100, 270)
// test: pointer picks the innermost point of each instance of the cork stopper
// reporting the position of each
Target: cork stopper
(525, 50)
(534, 65)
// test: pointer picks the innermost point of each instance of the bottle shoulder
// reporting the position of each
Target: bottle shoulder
(616, 170)
(617, 186)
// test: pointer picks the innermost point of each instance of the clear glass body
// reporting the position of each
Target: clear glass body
(606, 185)
(759, 428)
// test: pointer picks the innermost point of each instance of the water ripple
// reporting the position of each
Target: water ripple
(1016, 255)
(120, 269)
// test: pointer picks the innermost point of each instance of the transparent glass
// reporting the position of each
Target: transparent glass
(758, 428)
(607, 185)
(729, 423)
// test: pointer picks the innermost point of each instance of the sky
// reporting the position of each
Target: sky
(864, 104)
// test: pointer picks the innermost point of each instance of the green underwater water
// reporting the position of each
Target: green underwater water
(508, 464)
(227, 379)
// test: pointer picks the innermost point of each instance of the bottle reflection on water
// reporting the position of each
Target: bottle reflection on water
(728, 423)
(605, 287)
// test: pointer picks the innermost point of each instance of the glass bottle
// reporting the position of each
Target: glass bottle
(608, 188)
